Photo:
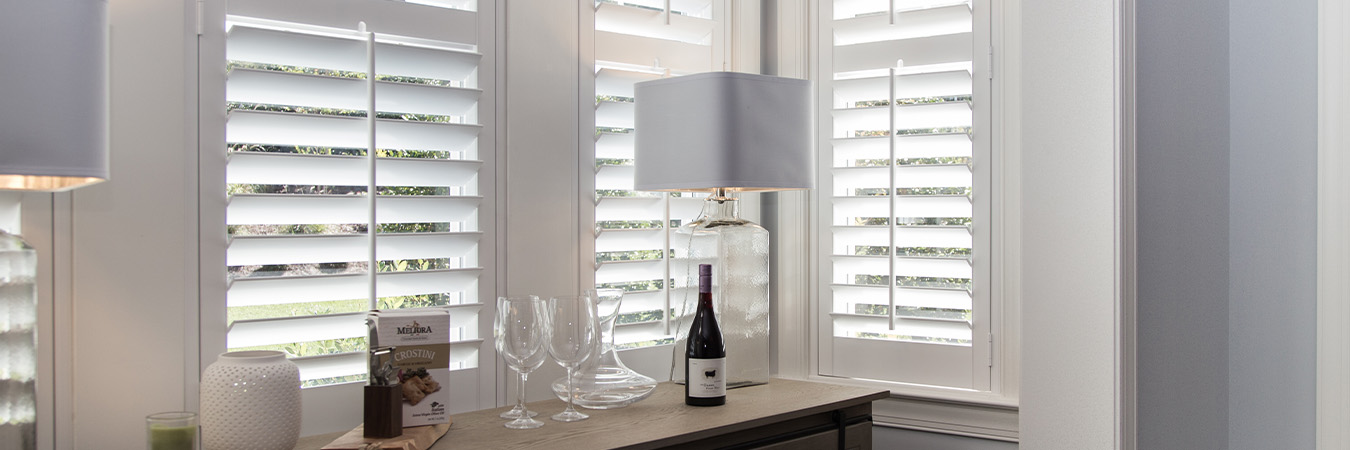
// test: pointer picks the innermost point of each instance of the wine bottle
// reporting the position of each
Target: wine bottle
(706, 359)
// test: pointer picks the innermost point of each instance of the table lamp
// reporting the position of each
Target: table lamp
(53, 137)
(722, 133)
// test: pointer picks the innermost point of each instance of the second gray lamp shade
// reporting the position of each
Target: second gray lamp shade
(739, 131)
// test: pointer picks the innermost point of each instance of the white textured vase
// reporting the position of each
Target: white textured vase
(251, 401)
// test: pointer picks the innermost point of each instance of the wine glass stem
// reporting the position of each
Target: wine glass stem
(569, 389)
(520, 393)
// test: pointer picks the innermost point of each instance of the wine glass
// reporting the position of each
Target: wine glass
(571, 338)
(520, 331)
(503, 303)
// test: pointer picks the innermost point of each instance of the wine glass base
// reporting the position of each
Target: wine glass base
(525, 423)
(570, 416)
(514, 413)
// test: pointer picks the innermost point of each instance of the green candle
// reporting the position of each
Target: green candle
(171, 431)
(172, 438)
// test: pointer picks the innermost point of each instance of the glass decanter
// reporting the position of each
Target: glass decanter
(603, 382)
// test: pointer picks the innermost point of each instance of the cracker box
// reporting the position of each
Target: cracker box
(421, 359)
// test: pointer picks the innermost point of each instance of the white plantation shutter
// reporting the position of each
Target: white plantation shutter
(639, 40)
(298, 170)
(905, 191)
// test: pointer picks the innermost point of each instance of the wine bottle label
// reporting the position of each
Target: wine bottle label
(707, 377)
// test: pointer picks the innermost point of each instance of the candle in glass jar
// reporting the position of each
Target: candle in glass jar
(171, 431)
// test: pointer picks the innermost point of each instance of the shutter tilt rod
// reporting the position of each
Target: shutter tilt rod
(891, 14)
(667, 12)
(890, 191)
(372, 190)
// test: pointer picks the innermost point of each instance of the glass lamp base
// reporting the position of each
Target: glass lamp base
(739, 252)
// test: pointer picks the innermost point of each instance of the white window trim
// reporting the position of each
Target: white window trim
(1333, 218)
(988, 415)
(741, 51)
(326, 407)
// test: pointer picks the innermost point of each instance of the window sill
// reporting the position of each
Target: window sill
(962, 413)
(993, 422)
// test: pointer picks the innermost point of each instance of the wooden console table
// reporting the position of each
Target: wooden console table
(781, 415)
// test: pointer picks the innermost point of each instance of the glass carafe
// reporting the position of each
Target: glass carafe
(603, 382)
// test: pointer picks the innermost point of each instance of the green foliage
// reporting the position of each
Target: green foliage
(337, 112)
(326, 347)
(634, 286)
(232, 64)
(415, 227)
(871, 250)
(235, 313)
(870, 280)
(913, 312)
(295, 229)
(912, 221)
(870, 192)
(933, 282)
(405, 265)
(903, 337)
(333, 380)
(877, 192)
(912, 132)
(933, 252)
(619, 193)
(613, 162)
(627, 224)
(416, 154)
(234, 147)
(631, 255)
(275, 270)
(932, 221)
(933, 191)
(912, 281)
(313, 348)
(913, 101)
(413, 301)
(648, 343)
(870, 221)
(934, 161)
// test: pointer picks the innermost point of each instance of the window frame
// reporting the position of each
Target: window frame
(326, 407)
(740, 51)
(797, 238)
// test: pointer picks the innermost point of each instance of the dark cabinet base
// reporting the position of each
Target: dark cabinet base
(844, 429)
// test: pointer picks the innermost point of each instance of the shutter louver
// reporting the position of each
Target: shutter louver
(897, 102)
(640, 40)
(298, 174)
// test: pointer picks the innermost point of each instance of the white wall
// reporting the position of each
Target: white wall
(1067, 150)
(1182, 234)
(1227, 251)
(133, 273)
(540, 227)
(1272, 223)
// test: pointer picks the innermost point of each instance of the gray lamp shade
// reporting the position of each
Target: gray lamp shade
(739, 131)
(53, 94)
